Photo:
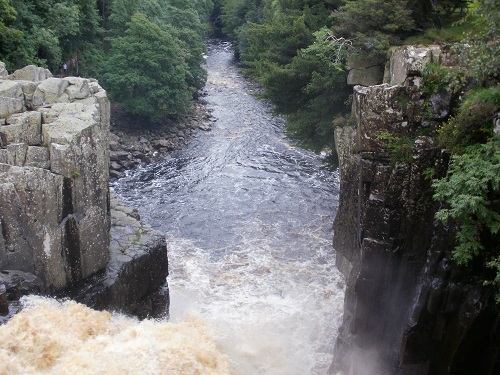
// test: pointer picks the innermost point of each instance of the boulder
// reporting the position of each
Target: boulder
(38, 157)
(51, 90)
(372, 75)
(31, 73)
(78, 88)
(11, 89)
(9, 106)
(22, 128)
(3, 70)
(408, 61)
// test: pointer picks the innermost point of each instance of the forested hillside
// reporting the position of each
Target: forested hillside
(146, 53)
(301, 50)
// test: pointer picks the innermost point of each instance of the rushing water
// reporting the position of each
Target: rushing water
(248, 220)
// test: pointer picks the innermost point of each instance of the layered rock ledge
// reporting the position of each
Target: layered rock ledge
(55, 208)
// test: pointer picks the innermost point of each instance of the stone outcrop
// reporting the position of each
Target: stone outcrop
(55, 209)
(134, 278)
(364, 71)
(54, 203)
(133, 144)
(407, 309)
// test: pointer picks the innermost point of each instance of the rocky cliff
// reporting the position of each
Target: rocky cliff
(408, 308)
(55, 208)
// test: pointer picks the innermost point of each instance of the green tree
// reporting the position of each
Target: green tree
(9, 36)
(374, 25)
(471, 189)
(290, 52)
(146, 71)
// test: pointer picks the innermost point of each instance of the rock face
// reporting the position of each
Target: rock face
(54, 201)
(55, 209)
(134, 278)
(407, 309)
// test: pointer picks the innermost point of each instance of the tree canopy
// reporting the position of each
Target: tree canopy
(105, 39)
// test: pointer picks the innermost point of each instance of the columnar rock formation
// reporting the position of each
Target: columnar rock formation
(55, 209)
(408, 309)
(54, 201)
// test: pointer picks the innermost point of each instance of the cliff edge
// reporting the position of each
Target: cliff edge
(408, 308)
(59, 224)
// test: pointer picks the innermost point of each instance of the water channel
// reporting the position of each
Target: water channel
(248, 221)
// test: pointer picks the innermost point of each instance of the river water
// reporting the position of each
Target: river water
(248, 220)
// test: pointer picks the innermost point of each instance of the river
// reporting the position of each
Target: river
(248, 220)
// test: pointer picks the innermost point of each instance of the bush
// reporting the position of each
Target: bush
(471, 191)
(474, 121)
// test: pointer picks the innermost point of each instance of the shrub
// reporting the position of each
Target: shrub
(474, 121)
(471, 190)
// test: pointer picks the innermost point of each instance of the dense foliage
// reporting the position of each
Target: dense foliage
(471, 188)
(146, 53)
(300, 50)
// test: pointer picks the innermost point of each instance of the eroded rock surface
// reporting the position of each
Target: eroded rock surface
(408, 309)
(135, 277)
(54, 204)
(55, 209)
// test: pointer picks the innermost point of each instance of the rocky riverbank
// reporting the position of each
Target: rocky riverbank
(134, 142)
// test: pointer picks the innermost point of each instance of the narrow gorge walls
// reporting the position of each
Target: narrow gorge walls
(408, 308)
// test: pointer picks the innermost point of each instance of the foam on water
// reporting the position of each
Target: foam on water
(50, 337)
(275, 316)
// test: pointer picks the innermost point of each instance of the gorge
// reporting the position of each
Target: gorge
(247, 216)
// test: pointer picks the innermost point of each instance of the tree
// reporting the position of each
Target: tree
(9, 36)
(373, 25)
(146, 71)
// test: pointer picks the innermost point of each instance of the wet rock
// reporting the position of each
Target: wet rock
(116, 174)
(406, 303)
(119, 155)
(4, 306)
(135, 276)
(115, 146)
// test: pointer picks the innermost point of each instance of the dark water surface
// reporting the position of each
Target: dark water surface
(248, 219)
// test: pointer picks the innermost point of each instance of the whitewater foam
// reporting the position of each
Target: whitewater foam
(52, 337)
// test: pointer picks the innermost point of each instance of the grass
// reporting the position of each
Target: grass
(454, 30)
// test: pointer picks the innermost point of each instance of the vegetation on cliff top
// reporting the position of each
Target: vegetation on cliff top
(146, 53)
(299, 50)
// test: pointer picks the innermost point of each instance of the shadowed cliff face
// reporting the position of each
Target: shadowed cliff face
(407, 309)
